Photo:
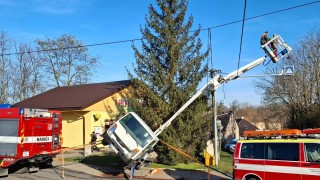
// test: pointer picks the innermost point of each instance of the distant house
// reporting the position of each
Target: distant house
(245, 125)
(230, 129)
(233, 128)
(85, 108)
(269, 125)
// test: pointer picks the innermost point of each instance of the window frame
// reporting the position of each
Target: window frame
(252, 154)
(308, 154)
(278, 152)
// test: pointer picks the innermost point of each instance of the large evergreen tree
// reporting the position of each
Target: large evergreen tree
(169, 67)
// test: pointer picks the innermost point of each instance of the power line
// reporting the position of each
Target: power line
(70, 47)
(261, 15)
(244, 16)
(131, 40)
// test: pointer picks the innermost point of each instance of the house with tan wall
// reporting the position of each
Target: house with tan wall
(234, 128)
(230, 129)
(268, 125)
(85, 108)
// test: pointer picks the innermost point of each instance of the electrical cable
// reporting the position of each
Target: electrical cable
(208, 46)
(227, 92)
(70, 47)
(210, 40)
(123, 41)
(261, 15)
(244, 16)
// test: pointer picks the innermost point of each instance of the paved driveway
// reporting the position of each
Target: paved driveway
(54, 174)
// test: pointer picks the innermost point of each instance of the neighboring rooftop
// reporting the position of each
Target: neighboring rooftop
(225, 118)
(75, 97)
(245, 125)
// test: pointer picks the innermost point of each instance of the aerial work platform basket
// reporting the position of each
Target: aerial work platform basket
(276, 48)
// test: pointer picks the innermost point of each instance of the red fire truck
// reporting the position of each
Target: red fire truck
(28, 137)
(278, 154)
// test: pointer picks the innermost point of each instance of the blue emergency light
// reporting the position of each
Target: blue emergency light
(5, 106)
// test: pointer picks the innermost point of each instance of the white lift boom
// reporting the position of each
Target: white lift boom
(133, 139)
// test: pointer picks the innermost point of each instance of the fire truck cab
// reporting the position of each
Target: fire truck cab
(28, 137)
(278, 154)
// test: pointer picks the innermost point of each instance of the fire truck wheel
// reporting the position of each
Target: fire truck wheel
(46, 164)
(252, 178)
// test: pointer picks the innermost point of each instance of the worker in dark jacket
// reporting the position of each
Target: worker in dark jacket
(264, 38)
(94, 146)
(269, 48)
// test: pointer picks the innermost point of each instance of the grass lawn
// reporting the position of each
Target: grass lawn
(110, 159)
(225, 164)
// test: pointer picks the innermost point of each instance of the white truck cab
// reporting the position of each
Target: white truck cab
(129, 137)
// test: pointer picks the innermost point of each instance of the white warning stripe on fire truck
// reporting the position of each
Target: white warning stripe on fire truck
(9, 139)
(26, 139)
(278, 169)
(37, 139)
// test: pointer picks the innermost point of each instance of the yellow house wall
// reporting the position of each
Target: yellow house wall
(108, 106)
(72, 129)
(72, 125)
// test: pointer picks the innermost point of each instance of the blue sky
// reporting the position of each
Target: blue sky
(100, 21)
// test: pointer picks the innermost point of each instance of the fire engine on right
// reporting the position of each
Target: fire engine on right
(278, 154)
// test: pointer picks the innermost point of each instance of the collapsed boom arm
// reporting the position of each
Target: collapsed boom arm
(276, 44)
(216, 81)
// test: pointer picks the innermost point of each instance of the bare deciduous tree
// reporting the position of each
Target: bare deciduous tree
(66, 60)
(260, 116)
(296, 98)
(5, 67)
(27, 79)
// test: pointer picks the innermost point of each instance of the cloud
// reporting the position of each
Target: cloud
(55, 6)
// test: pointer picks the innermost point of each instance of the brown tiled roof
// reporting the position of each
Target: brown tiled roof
(74, 97)
(245, 125)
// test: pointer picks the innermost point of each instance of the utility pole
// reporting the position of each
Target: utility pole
(215, 129)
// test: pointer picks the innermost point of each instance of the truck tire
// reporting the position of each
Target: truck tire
(129, 165)
(139, 166)
(253, 178)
